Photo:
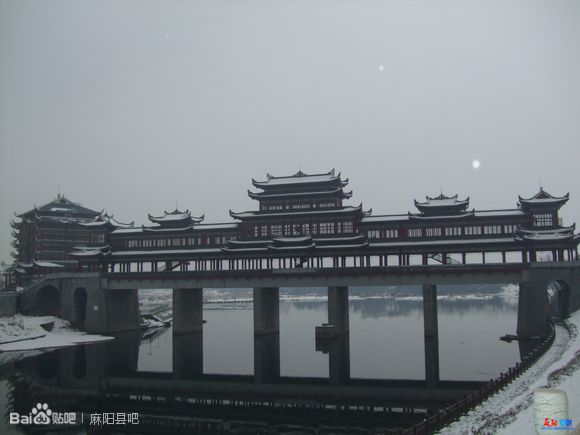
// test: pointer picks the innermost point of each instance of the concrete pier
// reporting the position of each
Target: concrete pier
(338, 309)
(533, 310)
(266, 310)
(187, 310)
(338, 350)
(188, 355)
(431, 330)
(266, 358)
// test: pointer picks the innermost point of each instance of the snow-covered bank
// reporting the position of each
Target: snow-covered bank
(510, 411)
(18, 333)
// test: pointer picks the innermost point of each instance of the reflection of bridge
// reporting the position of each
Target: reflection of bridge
(104, 378)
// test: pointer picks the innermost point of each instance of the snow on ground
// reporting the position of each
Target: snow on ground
(511, 411)
(20, 333)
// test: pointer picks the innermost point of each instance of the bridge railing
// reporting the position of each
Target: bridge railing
(453, 412)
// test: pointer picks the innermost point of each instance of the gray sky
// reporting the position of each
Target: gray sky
(135, 106)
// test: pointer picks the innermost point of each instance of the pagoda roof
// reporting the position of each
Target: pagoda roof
(300, 178)
(296, 243)
(543, 198)
(563, 233)
(106, 220)
(61, 206)
(442, 204)
(98, 251)
(176, 217)
(515, 212)
(300, 212)
(437, 216)
(283, 195)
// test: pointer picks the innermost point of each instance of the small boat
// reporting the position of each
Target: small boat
(153, 321)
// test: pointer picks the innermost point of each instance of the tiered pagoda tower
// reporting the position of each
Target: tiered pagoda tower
(300, 212)
(47, 234)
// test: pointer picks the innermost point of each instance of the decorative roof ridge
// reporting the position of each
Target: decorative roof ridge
(568, 229)
(442, 197)
(298, 174)
(106, 217)
(542, 194)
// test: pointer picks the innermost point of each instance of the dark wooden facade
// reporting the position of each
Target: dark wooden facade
(301, 221)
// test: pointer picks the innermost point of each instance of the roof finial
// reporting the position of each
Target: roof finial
(541, 188)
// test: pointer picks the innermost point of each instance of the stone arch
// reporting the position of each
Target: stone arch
(47, 301)
(559, 298)
(80, 307)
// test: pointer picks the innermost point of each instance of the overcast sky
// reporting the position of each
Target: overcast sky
(134, 106)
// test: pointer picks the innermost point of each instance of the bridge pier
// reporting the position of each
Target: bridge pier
(338, 350)
(188, 355)
(110, 311)
(266, 358)
(187, 310)
(431, 330)
(266, 310)
(266, 334)
(533, 309)
(338, 309)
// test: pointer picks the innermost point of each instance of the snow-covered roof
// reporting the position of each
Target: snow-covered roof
(438, 242)
(47, 264)
(282, 195)
(175, 216)
(61, 205)
(127, 230)
(105, 219)
(442, 202)
(299, 178)
(300, 212)
(441, 216)
(166, 252)
(217, 226)
(543, 198)
(494, 213)
(385, 218)
(161, 229)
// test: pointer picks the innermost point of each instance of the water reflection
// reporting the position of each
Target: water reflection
(226, 373)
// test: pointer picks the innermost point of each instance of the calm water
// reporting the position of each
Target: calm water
(386, 339)
(386, 342)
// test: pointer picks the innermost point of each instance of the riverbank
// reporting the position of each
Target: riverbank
(20, 334)
(510, 412)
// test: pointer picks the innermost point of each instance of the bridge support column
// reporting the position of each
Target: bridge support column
(533, 310)
(266, 334)
(431, 329)
(266, 310)
(188, 355)
(187, 310)
(112, 311)
(338, 350)
(338, 309)
(266, 358)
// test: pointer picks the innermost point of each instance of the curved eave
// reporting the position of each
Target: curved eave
(443, 217)
(167, 229)
(293, 213)
(545, 239)
(291, 248)
(359, 245)
(242, 250)
(274, 195)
